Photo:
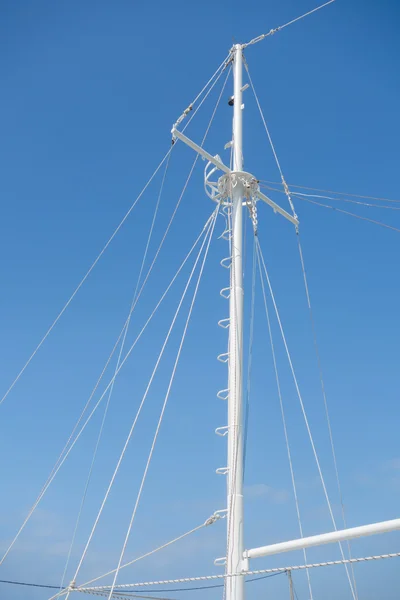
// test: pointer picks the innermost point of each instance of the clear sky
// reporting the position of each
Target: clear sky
(89, 94)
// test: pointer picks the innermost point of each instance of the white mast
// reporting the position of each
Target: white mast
(235, 544)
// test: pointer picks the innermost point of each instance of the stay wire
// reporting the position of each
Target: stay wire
(357, 202)
(62, 457)
(68, 447)
(151, 552)
(82, 281)
(350, 214)
(289, 197)
(327, 413)
(164, 406)
(117, 229)
(283, 414)
(126, 327)
(272, 31)
(305, 416)
(304, 187)
(278, 164)
(333, 198)
(133, 426)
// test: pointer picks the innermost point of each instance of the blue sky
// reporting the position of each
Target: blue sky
(89, 94)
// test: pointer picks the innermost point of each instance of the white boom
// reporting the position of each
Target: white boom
(324, 538)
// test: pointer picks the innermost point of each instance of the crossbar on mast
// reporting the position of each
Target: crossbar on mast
(324, 538)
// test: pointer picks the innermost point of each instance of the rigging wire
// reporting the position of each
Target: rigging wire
(219, 70)
(204, 587)
(82, 281)
(313, 189)
(350, 214)
(126, 328)
(272, 31)
(116, 230)
(136, 595)
(67, 449)
(318, 464)
(327, 413)
(68, 446)
(282, 408)
(334, 198)
(330, 563)
(209, 521)
(368, 204)
(133, 426)
(289, 197)
(164, 406)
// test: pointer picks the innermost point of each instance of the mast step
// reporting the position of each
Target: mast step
(224, 323)
(222, 471)
(226, 262)
(224, 357)
(222, 431)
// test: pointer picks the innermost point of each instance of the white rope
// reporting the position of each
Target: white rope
(244, 573)
(126, 327)
(278, 385)
(303, 411)
(164, 406)
(50, 329)
(69, 446)
(272, 31)
(129, 436)
(209, 521)
(122, 596)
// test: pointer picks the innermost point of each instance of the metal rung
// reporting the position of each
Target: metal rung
(226, 262)
(224, 357)
(220, 512)
(222, 471)
(224, 323)
(222, 431)
(220, 562)
(223, 394)
(225, 293)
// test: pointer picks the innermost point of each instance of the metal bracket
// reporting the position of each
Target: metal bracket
(222, 431)
(224, 183)
(224, 357)
(224, 323)
(222, 471)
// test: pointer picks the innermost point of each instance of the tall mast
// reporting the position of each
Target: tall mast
(235, 544)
